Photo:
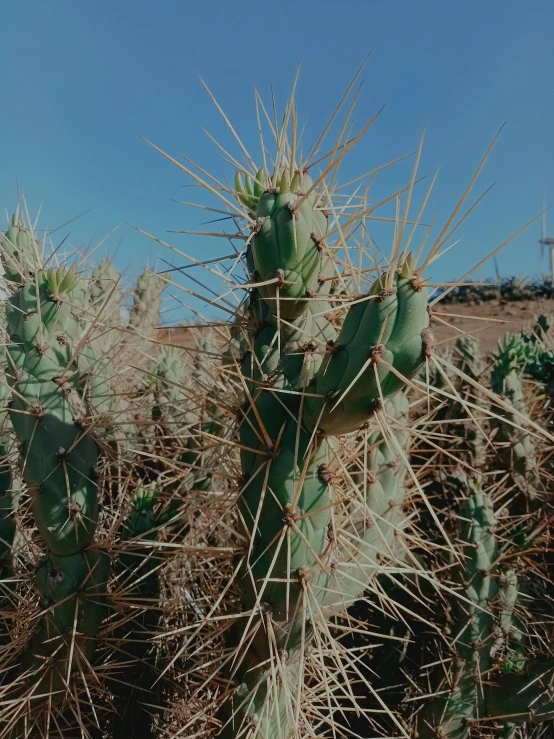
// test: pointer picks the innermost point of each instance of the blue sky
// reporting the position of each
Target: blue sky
(80, 81)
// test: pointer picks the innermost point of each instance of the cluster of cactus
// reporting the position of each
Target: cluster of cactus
(80, 515)
(304, 521)
(494, 677)
(330, 508)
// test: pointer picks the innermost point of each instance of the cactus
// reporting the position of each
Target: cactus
(519, 448)
(59, 459)
(147, 300)
(138, 690)
(290, 231)
(167, 377)
(105, 285)
(308, 378)
(7, 521)
(106, 300)
(288, 496)
(452, 716)
(19, 251)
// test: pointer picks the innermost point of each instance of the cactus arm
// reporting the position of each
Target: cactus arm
(286, 248)
(389, 328)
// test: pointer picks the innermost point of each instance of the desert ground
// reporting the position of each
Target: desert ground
(487, 321)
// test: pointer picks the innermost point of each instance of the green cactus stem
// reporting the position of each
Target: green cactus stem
(137, 691)
(286, 249)
(19, 251)
(518, 447)
(147, 300)
(7, 520)
(106, 300)
(59, 460)
(451, 716)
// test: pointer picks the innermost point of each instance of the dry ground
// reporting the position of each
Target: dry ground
(487, 322)
(500, 317)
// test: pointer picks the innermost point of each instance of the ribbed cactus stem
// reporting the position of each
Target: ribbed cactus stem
(509, 645)
(518, 447)
(105, 401)
(378, 520)
(59, 461)
(473, 430)
(147, 300)
(105, 285)
(19, 251)
(167, 379)
(305, 384)
(286, 506)
(7, 520)
(106, 298)
(451, 717)
(383, 343)
(289, 236)
(138, 569)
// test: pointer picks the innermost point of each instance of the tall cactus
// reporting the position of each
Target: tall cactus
(147, 301)
(452, 716)
(106, 298)
(144, 319)
(518, 447)
(19, 251)
(297, 558)
(7, 496)
(59, 459)
(138, 690)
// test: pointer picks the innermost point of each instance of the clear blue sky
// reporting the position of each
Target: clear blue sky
(81, 79)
